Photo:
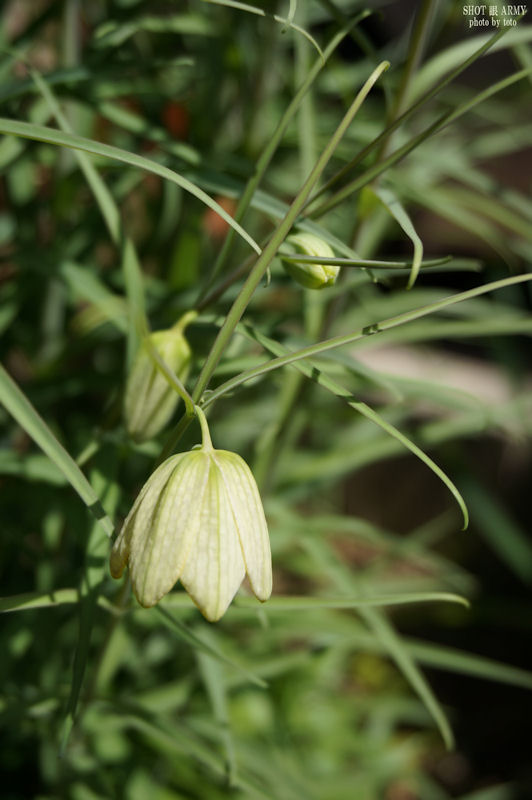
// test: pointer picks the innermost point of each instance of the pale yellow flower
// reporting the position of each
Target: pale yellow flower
(198, 519)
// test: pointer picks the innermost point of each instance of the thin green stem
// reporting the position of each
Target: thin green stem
(161, 365)
(371, 173)
(272, 444)
(265, 158)
(415, 52)
(260, 12)
(264, 260)
(362, 263)
(206, 442)
(184, 321)
(379, 141)
(378, 327)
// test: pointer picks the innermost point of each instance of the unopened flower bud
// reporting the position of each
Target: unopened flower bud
(311, 276)
(198, 519)
(150, 400)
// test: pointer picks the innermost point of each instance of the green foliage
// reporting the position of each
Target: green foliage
(155, 159)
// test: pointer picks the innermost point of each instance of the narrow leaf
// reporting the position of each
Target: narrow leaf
(393, 644)
(282, 604)
(41, 133)
(369, 330)
(285, 21)
(310, 370)
(392, 203)
(198, 643)
(27, 417)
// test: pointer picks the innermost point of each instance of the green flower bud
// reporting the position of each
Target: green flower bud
(198, 519)
(311, 276)
(149, 400)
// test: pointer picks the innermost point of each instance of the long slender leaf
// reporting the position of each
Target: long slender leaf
(41, 133)
(263, 262)
(285, 21)
(377, 142)
(216, 689)
(197, 642)
(369, 330)
(310, 371)
(397, 211)
(282, 604)
(27, 417)
(394, 645)
(266, 156)
(446, 119)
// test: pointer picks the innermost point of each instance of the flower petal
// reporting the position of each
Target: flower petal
(149, 400)
(141, 512)
(249, 520)
(216, 568)
(163, 537)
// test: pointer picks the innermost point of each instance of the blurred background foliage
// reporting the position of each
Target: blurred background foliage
(101, 699)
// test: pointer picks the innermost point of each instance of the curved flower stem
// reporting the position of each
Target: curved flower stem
(171, 377)
(184, 321)
(206, 441)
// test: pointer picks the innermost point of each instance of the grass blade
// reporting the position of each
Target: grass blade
(392, 203)
(369, 330)
(452, 660)
(285, 21)
(41, 133)
(269, 252)
(27, 417)
(395, 647)
(377, 169)
(294, 603)
(197, 643)
(273, 143)
(94, 575)
(216, 690)
(31, 600)
(310, 370)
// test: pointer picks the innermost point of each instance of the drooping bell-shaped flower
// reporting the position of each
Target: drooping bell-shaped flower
(149, 399)
(311, 276)
(198, 519)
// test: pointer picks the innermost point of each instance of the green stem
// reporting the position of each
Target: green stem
(378, 327)
(403, 151)
(206, 442)
(161, 365)
(415, 52)
(184, 321)
(267, 255)
(286, 424)
(380, 140)
(272, 145)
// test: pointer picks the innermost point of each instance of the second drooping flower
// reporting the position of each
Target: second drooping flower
(149, 399)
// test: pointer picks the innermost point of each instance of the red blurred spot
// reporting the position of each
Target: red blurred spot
(213, 223)
(176, 119)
